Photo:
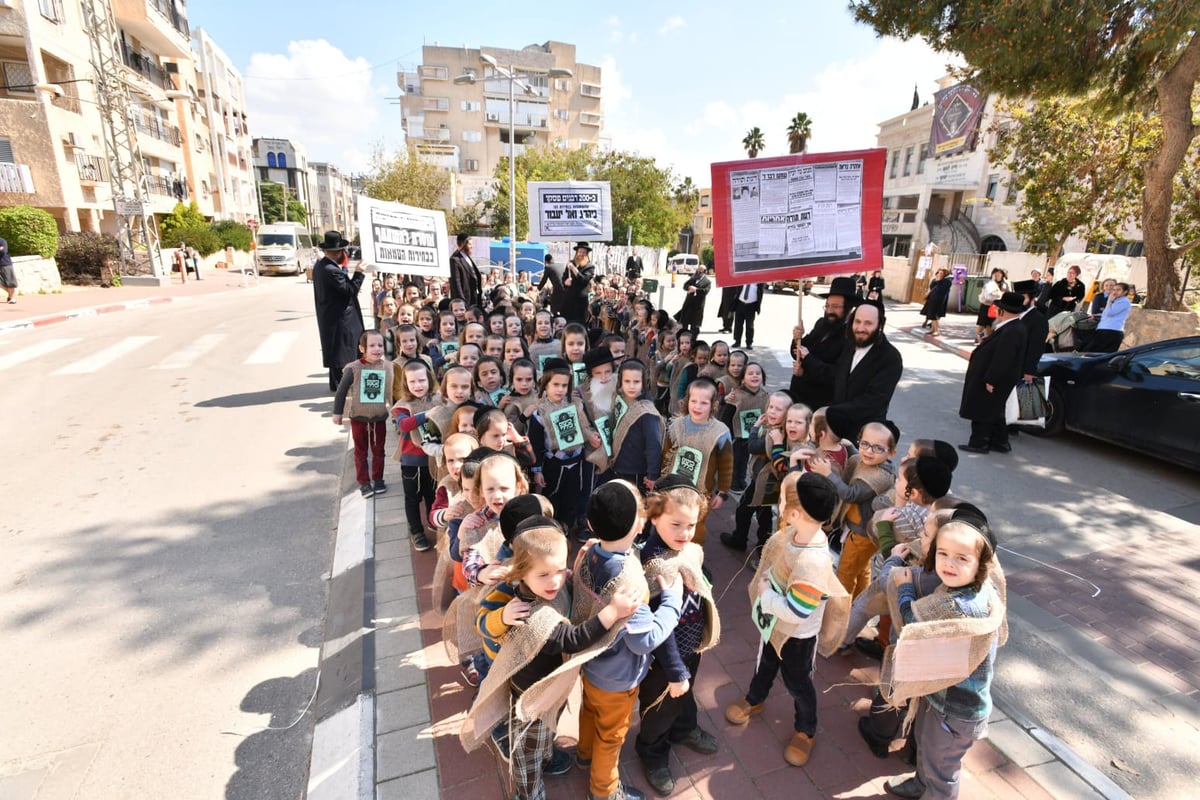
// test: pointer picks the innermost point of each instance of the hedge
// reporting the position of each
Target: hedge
(29, 231)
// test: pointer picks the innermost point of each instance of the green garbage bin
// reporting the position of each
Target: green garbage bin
(971, 292)
(649, 285)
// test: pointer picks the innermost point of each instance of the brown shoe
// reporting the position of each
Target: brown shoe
(740, 712)
(798, 749)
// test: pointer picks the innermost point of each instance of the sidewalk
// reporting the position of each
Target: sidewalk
(420, 699)
(74, 302)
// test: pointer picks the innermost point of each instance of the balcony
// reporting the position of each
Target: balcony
(92, 169)
(589, 90)
(157, 24)
(149, 69)
(152, 126)
(15, 179)
(590, 119)
(435, 104)
(435, 134)
(500, 118)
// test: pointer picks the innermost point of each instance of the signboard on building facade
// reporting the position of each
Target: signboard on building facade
(403, 239)
(956, 113)
(564, 211)
(797, 216)
(951, 172)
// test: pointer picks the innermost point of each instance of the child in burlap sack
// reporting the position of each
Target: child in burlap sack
(529, 683)
(946, 652)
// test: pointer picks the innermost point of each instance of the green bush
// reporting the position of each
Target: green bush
(29, 231)
(200, 237)
(233, 234)
(707, 256)
(81, 255)
(181, 218)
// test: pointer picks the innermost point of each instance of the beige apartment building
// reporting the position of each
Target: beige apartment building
(463, 127)
(52, 152)
(334, 207)
(285, 162)
(702, 222)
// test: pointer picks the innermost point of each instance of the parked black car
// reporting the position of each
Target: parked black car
(1146, 398)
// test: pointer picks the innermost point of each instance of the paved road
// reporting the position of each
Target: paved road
(169, 493)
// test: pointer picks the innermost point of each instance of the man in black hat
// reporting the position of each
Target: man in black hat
(816, 354)
(1037, 327)
(339, 317)
(866, 374)
(466, 283)
(697, 287)
(995, 367)
(576, 281)
(552, 275)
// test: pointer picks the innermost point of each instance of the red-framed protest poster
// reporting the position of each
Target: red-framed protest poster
(797, 216)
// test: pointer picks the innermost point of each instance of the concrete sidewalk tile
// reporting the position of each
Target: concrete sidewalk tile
(1020, 784)
(401, 709)
(395, 548)
(394, 568)
(400, 672)
(398, 640)
(1017, 745)
(391, 532)
(419, 786)
(1057, 779)
(402, 609)
(403, 752)
(983, 756)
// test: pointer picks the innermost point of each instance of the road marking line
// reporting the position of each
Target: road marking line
(33, 351)
(101, 359)
(273, 349)
(188, 355)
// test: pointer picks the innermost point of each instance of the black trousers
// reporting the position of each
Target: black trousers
(1105, 341)
(666, 721)
(418, 485)
(335, 378)
(743, 317)
(989, 432)
(741, 462)
(564, 485)
(797, 668)
(746, 514)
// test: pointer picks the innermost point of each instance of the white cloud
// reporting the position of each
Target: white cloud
(616, 91)
(671, 24)
(319, 97)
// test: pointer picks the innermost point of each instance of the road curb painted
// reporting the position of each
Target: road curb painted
(929, 338)
(97, 310)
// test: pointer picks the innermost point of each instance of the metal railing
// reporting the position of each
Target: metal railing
(148, 69)
(167, 9)
(91, 168)
(147, 123)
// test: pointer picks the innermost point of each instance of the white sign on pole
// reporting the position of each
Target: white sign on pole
(563, 211)
(403, 239)
(130, 208)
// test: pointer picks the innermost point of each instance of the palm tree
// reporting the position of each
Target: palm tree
(798, 132)
(754, 142)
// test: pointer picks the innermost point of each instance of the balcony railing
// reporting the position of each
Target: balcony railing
(15, 179)
(167, 9)
(436, 134)
(148, 69)
(160, 186)
(151, 125)
(91, 168)
(589, 119)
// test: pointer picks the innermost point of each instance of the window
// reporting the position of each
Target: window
(271, 160)
(922, 153)
(895, 163)
(908, 154)
(992, 186)
(1182, 362)
(435, 73)
(708, 223)
(472, 105)
(472, 136)
(283, 160)
(6, 152)
(471, 165)
(704, 200)
(18, 77)
(562, 84)
(563, 114)
(51, 10)
(1010, 196)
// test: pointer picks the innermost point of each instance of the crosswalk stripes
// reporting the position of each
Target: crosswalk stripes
(273, 348)
(102, 358)
(186, 356)
(34, 351)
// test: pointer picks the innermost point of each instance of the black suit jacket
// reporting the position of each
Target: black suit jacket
(864, 394)
(754, 307)
(998, 361)
(1037, 328)
(826, 343)
(465, 281)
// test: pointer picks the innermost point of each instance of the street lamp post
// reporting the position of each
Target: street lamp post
(510, 75)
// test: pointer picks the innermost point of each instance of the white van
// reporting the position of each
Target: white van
(284, 247)
(683, 263)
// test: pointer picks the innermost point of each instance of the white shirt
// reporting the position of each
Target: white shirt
(859, 353)
(749, 293)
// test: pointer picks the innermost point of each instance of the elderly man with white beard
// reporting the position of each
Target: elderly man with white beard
(597, 393)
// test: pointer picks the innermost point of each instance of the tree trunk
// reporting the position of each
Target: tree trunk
(1174, 92)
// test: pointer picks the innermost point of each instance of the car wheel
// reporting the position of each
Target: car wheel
(1056, 420)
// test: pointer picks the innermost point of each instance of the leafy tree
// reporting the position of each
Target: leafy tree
(272, 206)
(233, 234)
(1079, 170)
(708, 256)
(467, 218)
(1126, 56)
(687, 194)
(798, 132)
(84, 254)
(201, 237)
(29, 231)
(404, 178)
(182, 216)
(754, 142)
(538, 164)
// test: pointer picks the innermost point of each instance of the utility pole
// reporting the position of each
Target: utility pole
(127, 172)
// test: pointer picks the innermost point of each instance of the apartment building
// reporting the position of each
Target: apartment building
(702, 221)
(463, 126)
(224, 181)
(334, 207)
(285, 162)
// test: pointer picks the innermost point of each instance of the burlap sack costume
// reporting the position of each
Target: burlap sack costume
(517, 407)
(443, 589)
(625, 422)
(439, 429)
(588, 603)
(810, 566)
(460, 637)
(878, 478)
(370, 390)
(743, 401)
(416, 435)
(685, 565)
(937, 622)
(544, 407)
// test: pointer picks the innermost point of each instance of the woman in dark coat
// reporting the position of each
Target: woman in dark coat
(691, 315)
(875, 286)
(937, 300)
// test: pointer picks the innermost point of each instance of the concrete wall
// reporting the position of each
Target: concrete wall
(1143, 326)
(36, 275)
(897, 278)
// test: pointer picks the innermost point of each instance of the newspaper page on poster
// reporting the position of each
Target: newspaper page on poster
(403, 239)
(563, 211)
(807, 214)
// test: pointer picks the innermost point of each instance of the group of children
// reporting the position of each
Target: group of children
(629, 435)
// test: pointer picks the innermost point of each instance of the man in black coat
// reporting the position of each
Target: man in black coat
(697, 287)
(729, 296)
(577, 281)
(745, 309)
(465, 281)
(339, 317)
(866, 374)
(1037, 328)
(816, 354)
(552, 276)
(993, 371)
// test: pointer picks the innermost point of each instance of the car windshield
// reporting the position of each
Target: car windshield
(276, 240)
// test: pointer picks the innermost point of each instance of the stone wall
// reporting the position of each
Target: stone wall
(1143, 326)
(36, 275)
(897, 278)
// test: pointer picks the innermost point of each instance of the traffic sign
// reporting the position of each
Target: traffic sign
(252, 224)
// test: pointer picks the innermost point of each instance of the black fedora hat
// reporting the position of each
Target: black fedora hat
(583, 246)
(1026, 287)
(843, 287)
(597, 357)
(333, 241)
(1011, 302)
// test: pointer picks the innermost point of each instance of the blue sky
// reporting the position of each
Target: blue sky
(682, 82)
